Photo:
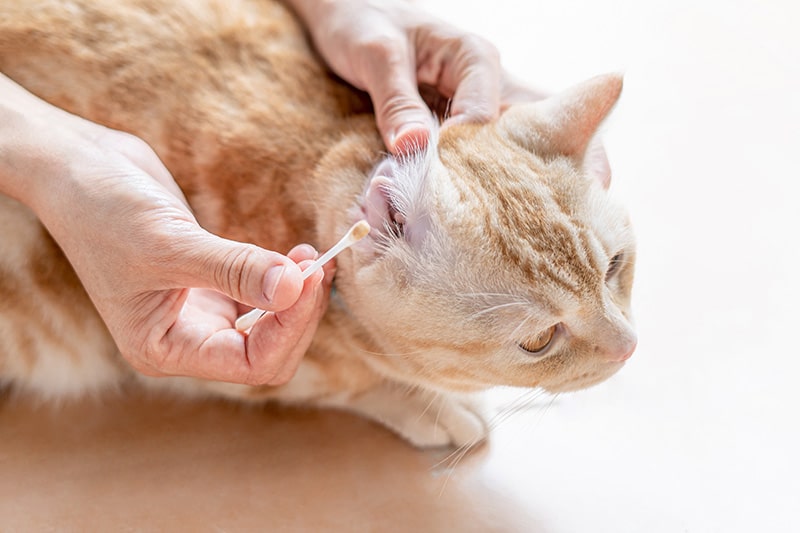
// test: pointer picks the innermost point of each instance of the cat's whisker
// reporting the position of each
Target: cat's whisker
(390, 354)
(434, 397)
(521, 403)
(448, 460)
(521, 325)
(489, 295)
(492, 298)
(524, 402)
(454, 459)
(496, 308)
(543, 410)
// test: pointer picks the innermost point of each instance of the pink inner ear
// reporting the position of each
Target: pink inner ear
(595, 163)
(376, 202)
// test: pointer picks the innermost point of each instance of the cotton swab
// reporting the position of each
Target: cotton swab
(358, 231)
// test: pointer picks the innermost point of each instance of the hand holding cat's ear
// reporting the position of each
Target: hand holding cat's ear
(390, 48)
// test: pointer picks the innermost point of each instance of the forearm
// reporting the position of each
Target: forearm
(32, 157)
(310, 11)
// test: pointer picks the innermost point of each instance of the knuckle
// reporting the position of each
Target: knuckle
(478, 47)
(478, 57)
(135, 147)
(378, 58)
(381, 47)
(231, 274)
(470, 46)
(149, 361)
(397, 104)
(280, 379)
(264, 376)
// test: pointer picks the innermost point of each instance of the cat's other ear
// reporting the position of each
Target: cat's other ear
(595, 163)
(567, 122)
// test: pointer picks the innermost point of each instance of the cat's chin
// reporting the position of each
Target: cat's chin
(585, 380)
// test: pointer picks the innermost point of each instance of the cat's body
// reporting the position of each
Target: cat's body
(495, 239)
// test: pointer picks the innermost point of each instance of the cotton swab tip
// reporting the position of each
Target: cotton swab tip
(359, 230)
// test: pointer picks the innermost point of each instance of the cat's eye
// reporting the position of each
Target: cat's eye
(539, 343)
(614, 265)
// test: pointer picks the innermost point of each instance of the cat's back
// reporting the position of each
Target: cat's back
(229, 94)
(127, 63)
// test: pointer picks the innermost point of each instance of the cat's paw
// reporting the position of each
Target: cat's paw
(425, 419)
(454, 423)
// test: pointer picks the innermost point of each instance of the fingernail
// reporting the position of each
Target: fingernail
(411, 137)
(272, 280)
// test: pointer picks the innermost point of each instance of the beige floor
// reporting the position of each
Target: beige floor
(699, 433)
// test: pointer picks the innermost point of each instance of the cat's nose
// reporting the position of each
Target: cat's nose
(622, 352)
(625, 352)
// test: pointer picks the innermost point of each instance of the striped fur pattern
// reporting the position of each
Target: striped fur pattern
(488, 243)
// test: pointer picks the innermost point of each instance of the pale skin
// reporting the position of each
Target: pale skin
(168, 290)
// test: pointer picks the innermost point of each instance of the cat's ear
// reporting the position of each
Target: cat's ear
(595, 163)
(566, 123)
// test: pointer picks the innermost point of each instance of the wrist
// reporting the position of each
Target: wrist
(38, 154)
(25, 153)
(310, 11)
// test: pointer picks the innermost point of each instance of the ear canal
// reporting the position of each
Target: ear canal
(564, 123)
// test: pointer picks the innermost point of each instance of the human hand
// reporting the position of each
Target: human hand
(388, 48)
(166, 288)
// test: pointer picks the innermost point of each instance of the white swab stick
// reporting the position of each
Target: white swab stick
(358, 231)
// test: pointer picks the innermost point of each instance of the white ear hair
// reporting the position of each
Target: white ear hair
(399, 190)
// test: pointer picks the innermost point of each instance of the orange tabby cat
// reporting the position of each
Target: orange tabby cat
(496, 255)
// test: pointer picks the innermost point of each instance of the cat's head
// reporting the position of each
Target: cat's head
(497, 255)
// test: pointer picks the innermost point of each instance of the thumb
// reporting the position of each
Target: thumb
(403, 118)
(244, 272)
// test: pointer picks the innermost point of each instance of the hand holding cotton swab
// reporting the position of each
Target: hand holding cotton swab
(358, 231)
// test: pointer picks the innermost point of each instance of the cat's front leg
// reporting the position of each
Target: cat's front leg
(424, 418)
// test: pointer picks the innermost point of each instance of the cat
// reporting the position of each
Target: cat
(497, 256)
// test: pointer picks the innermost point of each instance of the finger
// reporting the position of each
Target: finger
(302, 252)
(278, 341)
(292, 363)
(200, 345)
(390, 79)
(244, 272)
(471, 71)
(322, 296)
(514, 92)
